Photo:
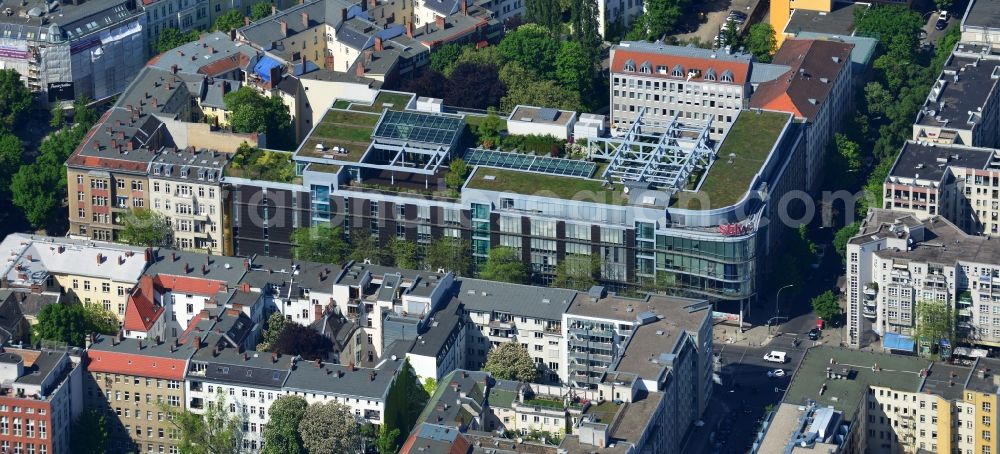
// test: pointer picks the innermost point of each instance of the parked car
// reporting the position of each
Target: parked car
(941, 24)
(776, 357)
(776, 373)
(814, 334)
(738, 14)
(943, 15)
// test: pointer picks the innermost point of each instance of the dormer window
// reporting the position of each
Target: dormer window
(646, 68)
(727, 76)
(710, 74)
(630, 65)
(678, 71)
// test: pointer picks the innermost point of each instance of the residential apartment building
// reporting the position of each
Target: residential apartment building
(84, 271)
(41, 397)
(816, 89)
(980, 24)
(963, 106)
(896, 261)
(663, 83)
(89, 48)
(186, 189)
(883, 403)
(184, 16)
(137, 382)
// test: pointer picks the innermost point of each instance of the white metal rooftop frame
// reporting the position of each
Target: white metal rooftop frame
(424, 159)
(661, 154)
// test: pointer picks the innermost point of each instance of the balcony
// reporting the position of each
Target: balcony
(501, 324)
(869, 312)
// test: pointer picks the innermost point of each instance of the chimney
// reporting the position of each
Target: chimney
(274, 9)
(246, 264)
(100, 258)
(197, 342)
(173, 256)
(156, 103)
(284, 28)
(378, 44)
(173, 69)
(360, 70)
(371, 376)
(121, 260)
(319, 363)
(317, 312)
(204, 269)
(305, 19)
(329, 63)
(246, 21)
(372, 4)
(439, 21)
(343, 14)
(274, 357)
(350, 366)
(465, 7)
(128, 145)
(409, 29)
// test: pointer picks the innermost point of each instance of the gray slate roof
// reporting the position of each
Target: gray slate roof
(524, 300)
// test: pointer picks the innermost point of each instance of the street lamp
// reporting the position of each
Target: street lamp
(776, 296)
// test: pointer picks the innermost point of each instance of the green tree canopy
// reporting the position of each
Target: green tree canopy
(252, 162)
(364, 246)
(281, 433)
(444, 58)
(532, 46)
(301, 340)
(11, 154)
(826, 306)
(404, 254)
(230, 20)
(841, 238)
(36, 189)
(253, 112)
(62, 323)
(272, 331)
(545, 13)
(474, 85)
(457, 171)
(575, 69)
(525, 87)
(15, 98)
(404, 403)
(511, 361)
(215, 432)
(578, 272)
(170, 38)
(97, 319)
(935, 320)
(504, 264)
(490, 129)
(320, 243)
(450, 254)
(659, 19)
(90, 432)
(850, 151)
(260, 10)
(329, 427)
(761, 41)
(144, 227)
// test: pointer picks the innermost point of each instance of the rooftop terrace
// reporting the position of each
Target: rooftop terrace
(529, 183)
(741, 156)
(384, 100)
(346, 130)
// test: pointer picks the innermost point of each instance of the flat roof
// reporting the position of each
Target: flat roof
(615, 307)
(531, 114)
(932, 162)
(982, 13)
(840, 21)
(895, 371)
(949, 101)
(751, 138)
(391, 100)
(31, 21)
(421, 127)
(989, 383)
(350, 132)
(51, 255)
(542, 185)
(522, 300)
(644, 354)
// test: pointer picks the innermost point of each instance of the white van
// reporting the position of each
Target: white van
(775, 357)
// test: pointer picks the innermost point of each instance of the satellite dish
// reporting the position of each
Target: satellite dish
(626, 189)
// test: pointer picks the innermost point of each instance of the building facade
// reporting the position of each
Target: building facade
(42, 397)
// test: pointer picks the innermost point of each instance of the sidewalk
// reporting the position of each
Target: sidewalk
(759, 336)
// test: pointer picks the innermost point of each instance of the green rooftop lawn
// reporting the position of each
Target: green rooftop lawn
(543, 402)
(751, 138)
(605, 411)
(325, 168)
(341, 128)
(256, 164)
(502, 398)
(398, 101)
(542, 185)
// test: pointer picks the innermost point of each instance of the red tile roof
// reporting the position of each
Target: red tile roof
(740, 70)
(141, 312)
(801, 90)
(135, 364)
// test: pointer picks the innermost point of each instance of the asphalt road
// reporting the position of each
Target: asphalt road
(737, 405)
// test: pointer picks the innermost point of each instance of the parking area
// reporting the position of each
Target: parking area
(705, 22)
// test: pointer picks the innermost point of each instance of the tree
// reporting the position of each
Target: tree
(405, 401)
(761, 41)
(320, 243)
(253, 112)
(145, 227)
(451, 254)
(935, 320)
(58, 117)
(260, 10)
(230, 20)
(545, 13)
(35, 189)
(878, 100)
(525, 87)
(444, 58)
(730, 35)
(62, 323)
(11, 152)
(274, 326)
(430, 385)
(387, 442)
(574, 69)
(490, 129)
(364, 246)
(533, 47)
(457, 172)
(578, 272)
(404, 254)
(170, 38)
(90, 432)
(584, 28)
(296, 339)
(281, 433)
(826, 306)
(841, 238)
(83, 114)
(504, 264)
(660, 18)
(15, 98)
(511, 361)
(217, 432)
(850, 151)
(252, 162)
(943, 5)
(329, 427)
(431, 83)
(97, 319)
(474, 86)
